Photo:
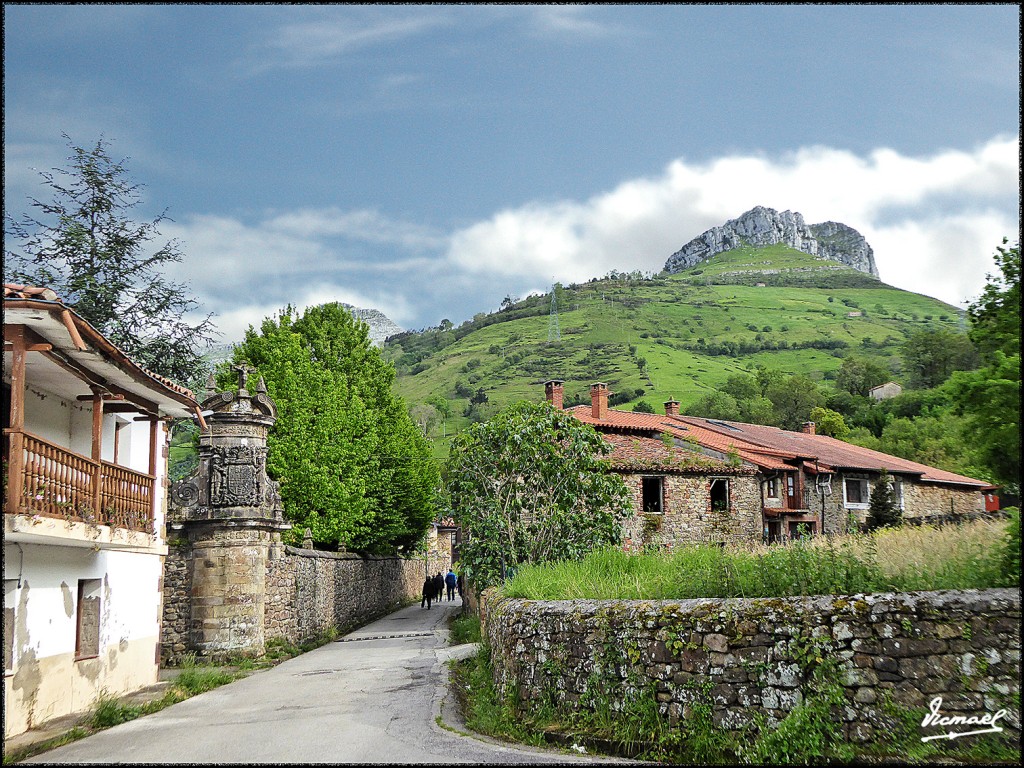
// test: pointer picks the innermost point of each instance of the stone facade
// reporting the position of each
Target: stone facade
(688, 517)
(750, 657)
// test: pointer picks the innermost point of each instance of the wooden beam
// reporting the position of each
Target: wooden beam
(76, 337)
(107, 396)
(202, 421)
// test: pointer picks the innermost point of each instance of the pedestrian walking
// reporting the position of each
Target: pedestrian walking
(450, 581)
(428, 592)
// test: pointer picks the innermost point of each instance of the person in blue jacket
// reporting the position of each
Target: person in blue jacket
(449, 581)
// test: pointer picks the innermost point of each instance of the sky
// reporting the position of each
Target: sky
(430, 160)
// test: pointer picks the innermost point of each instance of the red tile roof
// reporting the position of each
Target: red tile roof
(770, 448)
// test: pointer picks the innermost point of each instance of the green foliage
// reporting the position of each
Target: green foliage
(530, 486)
(353, 466)
(465, 629)
(109, 711)
(793, 398)
(829, 422)
(84, 246)
(907, 558)
(1011, 548)
(858, 375)
(995, 316)
(931, 356)
(883, 508)
(643, 406)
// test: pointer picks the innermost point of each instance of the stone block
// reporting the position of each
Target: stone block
(716, 642)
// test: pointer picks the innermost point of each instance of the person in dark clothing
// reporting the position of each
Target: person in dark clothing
(428, 592)
(460, 584)
(449, 582)
(438, 587)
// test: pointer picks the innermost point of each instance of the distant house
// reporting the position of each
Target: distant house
(855, 313)
(728, 481)
(885, 391)
(85, 463)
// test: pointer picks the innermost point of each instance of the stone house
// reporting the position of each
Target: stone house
(780, 484)
(85, 460)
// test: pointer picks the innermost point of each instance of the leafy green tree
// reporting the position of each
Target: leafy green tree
(931, 356)
(793, 398)
(858, 375)
(642, 406)
(990, 397)
(829, 422)
(742, 387)
(995, 316)
(84, 245)
(531, 486)
(715, 405)
(883, 508)
(353, 466)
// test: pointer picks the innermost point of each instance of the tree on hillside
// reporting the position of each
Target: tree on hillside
(353, 466)
(530, 486)
(931, 356)
(829, 422)
(793, 398)
(883, 508)
(858, 375)
(84, 245)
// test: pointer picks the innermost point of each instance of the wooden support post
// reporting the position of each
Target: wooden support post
(16, 435)
(97, 456)
(154, 431)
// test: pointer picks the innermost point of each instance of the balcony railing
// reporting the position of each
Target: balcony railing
(59, 483)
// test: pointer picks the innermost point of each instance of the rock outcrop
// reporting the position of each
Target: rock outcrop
(381, 326)
(762, 226)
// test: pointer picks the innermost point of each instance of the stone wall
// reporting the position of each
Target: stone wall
(310, 592)
(750, 657)
(688, 517)
(306, 593)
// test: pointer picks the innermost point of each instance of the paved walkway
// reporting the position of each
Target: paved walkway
(374, 696)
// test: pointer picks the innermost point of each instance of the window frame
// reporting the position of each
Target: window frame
(865, 484)
(645, 480)
(711, 494)
(88, 590)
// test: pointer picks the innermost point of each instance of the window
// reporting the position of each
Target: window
(856, 492)
(10, 597)
(719, 494)
(801, 529)
(87, 640)
(772, 484)
(651, 493)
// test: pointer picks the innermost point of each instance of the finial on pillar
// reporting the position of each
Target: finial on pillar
(261, 386)
(243, 370)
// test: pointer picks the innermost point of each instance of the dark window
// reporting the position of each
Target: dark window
(773, 488)
(800, 530)
(651, 490)
(720, 494)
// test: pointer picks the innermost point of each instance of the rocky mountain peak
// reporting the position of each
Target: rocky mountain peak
(762, 226)
(381, 326)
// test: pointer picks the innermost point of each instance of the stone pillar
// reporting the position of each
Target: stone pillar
(230, 511)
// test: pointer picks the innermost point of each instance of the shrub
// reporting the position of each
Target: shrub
(1011, 548)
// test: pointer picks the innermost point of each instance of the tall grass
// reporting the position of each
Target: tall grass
(968, 556)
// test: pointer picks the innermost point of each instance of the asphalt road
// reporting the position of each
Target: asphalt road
(374, 696)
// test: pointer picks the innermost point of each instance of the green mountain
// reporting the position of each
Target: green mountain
(667, 336)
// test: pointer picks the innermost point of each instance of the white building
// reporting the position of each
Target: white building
(85, 468)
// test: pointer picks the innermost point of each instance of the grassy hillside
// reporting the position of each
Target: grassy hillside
(668, 336)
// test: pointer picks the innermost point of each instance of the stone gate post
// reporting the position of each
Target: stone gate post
(230, 512)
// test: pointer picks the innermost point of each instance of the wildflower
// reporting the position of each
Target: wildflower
(582, 750)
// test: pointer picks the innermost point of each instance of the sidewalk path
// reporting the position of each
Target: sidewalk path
(371, 697)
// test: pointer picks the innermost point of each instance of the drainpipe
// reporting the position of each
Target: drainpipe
(821, 493)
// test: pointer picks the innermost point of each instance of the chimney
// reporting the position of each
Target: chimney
(672, 408)
(553, 390)
(807, 428)
(599, 400)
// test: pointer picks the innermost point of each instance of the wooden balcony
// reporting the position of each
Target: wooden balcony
(57, 483)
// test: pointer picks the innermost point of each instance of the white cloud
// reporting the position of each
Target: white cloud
(311, 43)
(568, 20)
(900, 204)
